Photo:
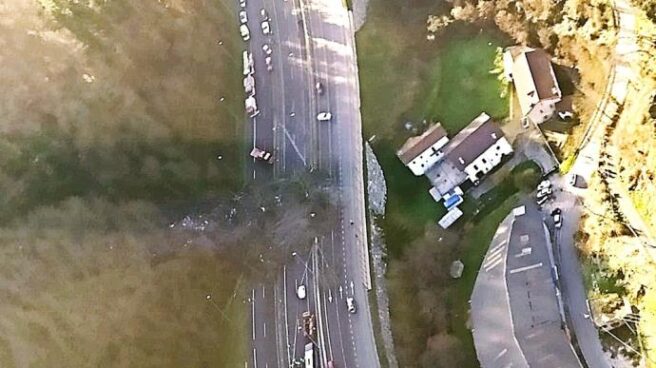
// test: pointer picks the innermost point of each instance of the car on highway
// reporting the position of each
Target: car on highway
(266, 27)
(267, 49)
(261, 155)
(244, 32)
(319, 87)
(558, 218)
(268, 62)
(300, 291)
(324, 116)
(243, 17)
(350, 305)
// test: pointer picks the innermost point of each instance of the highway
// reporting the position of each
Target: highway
(312, 42)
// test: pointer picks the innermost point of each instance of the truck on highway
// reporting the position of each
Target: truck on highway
(309, 325)
(262, 155)
(248, 63)
(309, 355)
(251, 106)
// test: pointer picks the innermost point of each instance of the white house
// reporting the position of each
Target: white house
(472, 153)
(421, 153)
(535, 82)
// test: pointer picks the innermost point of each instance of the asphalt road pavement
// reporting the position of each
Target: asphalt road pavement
(312, 42)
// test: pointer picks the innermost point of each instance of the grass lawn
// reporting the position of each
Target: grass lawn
(404, 77)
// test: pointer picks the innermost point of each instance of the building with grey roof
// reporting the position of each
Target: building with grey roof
(535, 82)
(515, 309)
(473, 152)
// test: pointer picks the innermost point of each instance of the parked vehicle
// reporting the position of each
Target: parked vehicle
(269, 65)
(247, 59)
(544, 184)
(243, 17)
(542, 201)
(558, 219)
(544, 192)
(267, 49)
(264, 14)
(249, 85)
(266, 27)
(572, 179)
(245, 32)
(261, 155)
(242, 4)
(324, 116)
(251, 106)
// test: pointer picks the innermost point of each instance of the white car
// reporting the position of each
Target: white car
(245, 33)
(267, 49)
(300, 292)
(267, 61)
(324, 116)
(572, 179)
(242, 4)
(350, 305)
(266, 27)
(243, 17)
(264, 14)
(557, 217)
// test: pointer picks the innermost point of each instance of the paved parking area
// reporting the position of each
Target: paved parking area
(515, 311)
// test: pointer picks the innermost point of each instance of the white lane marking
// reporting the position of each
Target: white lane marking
(526, 268)
(291, 140)
(284, 285)
(263, 293)
(264, 329)
(253, 312)
(254, 358)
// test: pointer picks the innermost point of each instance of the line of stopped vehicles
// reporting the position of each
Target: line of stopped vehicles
(250, 102)
(308, 321)
(309, 328)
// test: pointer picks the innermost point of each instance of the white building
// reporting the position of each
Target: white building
(535, 82)
(472, 153)
(421, 153)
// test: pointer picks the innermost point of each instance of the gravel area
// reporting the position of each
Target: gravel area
(377, 194)
(376, 187)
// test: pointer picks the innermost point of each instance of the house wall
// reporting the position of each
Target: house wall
(489, 159)
(543, 111)
(426, 160)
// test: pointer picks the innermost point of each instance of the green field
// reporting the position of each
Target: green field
(404, 77)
